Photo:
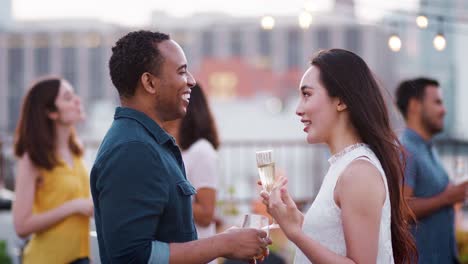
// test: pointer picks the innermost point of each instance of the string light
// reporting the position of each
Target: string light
(439, 42)
(422, 21)
(305, 19)
(267, 22)
(394, 43)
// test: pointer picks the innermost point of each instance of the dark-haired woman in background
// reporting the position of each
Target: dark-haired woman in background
(359, 215)
(52, 185)
(197, 136)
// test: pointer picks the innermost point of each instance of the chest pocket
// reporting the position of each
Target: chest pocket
(186, 189)
(186, 223)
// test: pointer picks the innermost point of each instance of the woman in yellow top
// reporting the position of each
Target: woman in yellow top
(52, 188)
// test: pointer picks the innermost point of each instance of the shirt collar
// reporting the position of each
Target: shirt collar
(156, 131)
(415, 137)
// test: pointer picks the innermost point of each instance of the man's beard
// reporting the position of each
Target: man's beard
(430, 126)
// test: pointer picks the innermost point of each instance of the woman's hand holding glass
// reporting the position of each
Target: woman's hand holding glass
(281, 206)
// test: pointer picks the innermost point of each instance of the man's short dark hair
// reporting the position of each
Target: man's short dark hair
(409, 89)
(132, 55)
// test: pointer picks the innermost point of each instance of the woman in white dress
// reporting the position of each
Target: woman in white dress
(359, 214)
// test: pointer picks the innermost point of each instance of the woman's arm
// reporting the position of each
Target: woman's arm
(25, 221)
(360, 192)
(204, 206)
(284, 211)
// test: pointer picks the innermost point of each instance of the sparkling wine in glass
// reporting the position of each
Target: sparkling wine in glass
(266, 169)
(460, 170)
(258, 222)
(461, 175)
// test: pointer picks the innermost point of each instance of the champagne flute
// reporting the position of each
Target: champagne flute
(266, 170)
(461, 170)
(461, 174)
(258, 222)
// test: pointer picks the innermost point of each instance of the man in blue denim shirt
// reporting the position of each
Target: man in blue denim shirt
(431, 196)
(141, 195)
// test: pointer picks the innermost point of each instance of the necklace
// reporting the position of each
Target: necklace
(346, 150)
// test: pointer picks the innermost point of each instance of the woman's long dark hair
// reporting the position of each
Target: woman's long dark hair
(198, 123)
(35, 132)
(346, 76)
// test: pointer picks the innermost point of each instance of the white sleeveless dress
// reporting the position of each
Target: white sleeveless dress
(323, 220)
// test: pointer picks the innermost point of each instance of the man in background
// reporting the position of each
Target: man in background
(430, 194)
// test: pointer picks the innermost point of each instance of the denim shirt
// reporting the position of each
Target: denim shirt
(434, 234)
(140, 191)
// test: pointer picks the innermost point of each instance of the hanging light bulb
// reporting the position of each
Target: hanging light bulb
(394, 43)
(305, 19)
(267, 22)
(439, 42)
(422, 21)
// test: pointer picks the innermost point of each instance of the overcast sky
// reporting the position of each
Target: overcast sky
(137, 12)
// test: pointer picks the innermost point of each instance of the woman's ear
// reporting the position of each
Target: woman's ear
(341, 106)
(52, 115)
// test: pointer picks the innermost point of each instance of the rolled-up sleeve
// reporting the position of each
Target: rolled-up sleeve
(159, 253)
(132, 192)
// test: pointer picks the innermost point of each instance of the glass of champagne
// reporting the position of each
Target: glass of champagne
(461, 174)
(258, 222)
(461, 170)
(266, 170)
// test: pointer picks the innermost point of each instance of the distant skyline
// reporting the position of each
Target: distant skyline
(138, 12)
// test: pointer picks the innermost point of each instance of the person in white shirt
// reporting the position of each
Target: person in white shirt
(359, 214)
(197, 136)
